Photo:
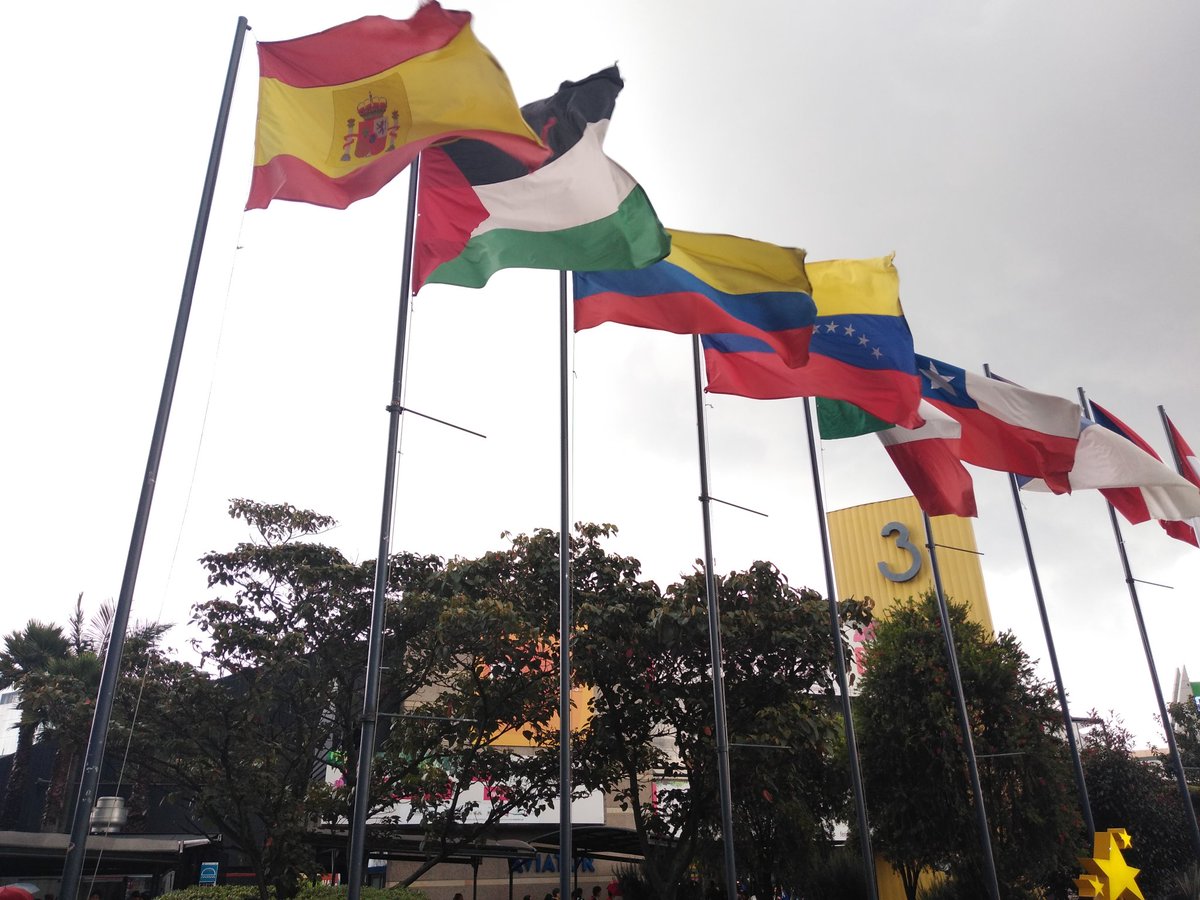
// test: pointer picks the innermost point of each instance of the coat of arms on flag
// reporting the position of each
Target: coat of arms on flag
(369, 132)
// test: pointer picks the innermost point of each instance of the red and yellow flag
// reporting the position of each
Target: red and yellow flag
(342, 112)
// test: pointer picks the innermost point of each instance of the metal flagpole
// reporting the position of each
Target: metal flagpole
(98, 736)
(1085, 805)
(1182, 466)
(370, 716)
(1162, 414)
(714, 642)
(1172, 750)
(565, 855)
(964, 720)
(835, 630)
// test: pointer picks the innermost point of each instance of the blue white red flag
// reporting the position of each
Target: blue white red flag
(1005, 426)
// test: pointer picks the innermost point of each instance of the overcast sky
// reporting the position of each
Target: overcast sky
(1033, 165)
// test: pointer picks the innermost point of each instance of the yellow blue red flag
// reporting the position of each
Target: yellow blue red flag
(709, 284)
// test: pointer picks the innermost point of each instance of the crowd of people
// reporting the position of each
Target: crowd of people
(613, 890)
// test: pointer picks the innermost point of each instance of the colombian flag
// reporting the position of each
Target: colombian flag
(710, 283)
(861, 352)
(342, 112)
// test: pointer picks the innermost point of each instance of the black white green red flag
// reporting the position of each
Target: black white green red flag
(481, 210)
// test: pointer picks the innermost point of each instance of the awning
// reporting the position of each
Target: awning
(597, 841)
(412, 845)
(35, 852)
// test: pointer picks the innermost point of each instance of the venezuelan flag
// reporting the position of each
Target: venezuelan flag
(342, 112)
(710, 283)
(861, 352)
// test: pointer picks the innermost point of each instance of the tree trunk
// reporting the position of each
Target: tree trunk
(260, 878)
(138, 805)
(910, 876)
(56, 793)
(18, 778)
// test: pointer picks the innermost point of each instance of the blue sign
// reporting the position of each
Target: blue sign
(549, 862)
(208, 872)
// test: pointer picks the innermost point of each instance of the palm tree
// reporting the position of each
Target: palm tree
(58, 675)
(27, 657)
(67, 692)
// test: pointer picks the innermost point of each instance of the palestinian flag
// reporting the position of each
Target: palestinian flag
(481, 210)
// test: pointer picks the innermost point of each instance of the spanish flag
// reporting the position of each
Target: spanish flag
(342, 112)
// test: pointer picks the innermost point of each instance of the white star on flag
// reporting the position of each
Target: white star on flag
(939, 381)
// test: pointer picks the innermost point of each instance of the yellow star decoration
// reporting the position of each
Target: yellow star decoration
(1107, 875)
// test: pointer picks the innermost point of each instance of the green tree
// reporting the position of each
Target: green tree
(789, 777)
(647, 655)
(1139, 795)
(914, 766)
(26, 659)
(67, 694)
(463, 756)
(60, 697)
(1185, 720)
(279, 688)
(287, 633)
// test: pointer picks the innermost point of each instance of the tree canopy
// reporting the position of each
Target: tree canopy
(914, 765)
(280, 693)
(647, 656)
(1139, 795)
(468, 700)
(25, 662)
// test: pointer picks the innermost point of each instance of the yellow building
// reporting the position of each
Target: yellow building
(879, 551)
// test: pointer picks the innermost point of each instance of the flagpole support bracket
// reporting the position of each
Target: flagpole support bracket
(704, 499)
(397, 408)
(735, 505)
(959, 549)
(1169, 587)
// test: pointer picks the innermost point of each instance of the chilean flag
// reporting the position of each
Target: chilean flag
(1004, 426)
